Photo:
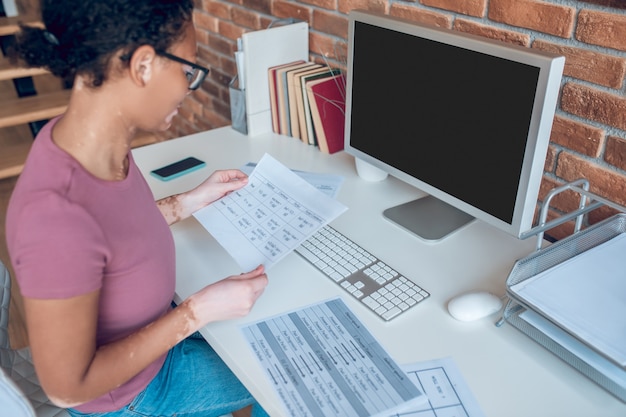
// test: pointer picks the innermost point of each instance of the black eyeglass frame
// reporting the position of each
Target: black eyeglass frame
(193, 84)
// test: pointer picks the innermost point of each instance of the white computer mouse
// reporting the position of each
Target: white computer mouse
(474, 305)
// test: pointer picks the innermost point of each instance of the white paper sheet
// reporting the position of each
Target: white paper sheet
(586, 295)
(264, 221)
(607, 368)
(322, 361)
(448, 394)
(326, 183)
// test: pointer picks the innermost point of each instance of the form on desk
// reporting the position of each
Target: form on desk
(322, 361)
(448, 394)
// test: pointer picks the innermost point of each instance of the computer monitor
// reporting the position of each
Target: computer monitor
(465, 119)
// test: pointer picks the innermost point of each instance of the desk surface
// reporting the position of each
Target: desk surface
(508, 373)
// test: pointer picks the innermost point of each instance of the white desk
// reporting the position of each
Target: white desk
(509, 374)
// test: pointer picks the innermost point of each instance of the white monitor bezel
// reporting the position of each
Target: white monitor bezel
(548, 87)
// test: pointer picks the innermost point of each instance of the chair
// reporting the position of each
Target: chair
(20, 392)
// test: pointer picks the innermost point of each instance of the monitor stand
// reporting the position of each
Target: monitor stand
(429, 218)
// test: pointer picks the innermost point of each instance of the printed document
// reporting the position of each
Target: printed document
(326, 183)
(448, 394)
(272, 215)
(322, 361)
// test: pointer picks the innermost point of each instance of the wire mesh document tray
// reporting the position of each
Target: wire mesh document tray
(542, 328)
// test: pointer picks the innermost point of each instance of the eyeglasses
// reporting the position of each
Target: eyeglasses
(197, 74)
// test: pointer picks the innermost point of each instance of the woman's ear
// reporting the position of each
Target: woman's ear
(141, 65)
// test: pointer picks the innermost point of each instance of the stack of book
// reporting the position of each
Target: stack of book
(307, 102)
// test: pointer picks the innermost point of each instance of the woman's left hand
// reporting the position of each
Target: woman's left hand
(219, 184)
(216, 186)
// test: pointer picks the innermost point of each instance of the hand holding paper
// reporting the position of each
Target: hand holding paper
(268, 218)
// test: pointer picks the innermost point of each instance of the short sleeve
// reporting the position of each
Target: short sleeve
(59, 250)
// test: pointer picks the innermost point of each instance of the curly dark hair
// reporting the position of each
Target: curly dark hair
(81, 36)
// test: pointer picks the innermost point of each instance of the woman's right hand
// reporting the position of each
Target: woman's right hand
(230, 298)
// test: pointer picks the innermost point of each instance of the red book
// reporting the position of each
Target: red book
(327, 100)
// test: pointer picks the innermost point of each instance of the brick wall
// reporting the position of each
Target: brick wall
(589, 132)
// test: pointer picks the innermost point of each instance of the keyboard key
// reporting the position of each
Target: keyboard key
(375, 284)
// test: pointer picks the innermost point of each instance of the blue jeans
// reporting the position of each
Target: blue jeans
(193, 382)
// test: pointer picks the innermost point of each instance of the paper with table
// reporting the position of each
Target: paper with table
(447, 392)
(322, 361)
(327, 183)
(268, 218)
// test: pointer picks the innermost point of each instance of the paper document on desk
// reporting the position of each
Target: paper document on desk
(600, 363)
(447, 392)
(268, 218)
(322, 361)
(585, 295)
(326, 183)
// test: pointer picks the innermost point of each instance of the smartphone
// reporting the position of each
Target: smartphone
(178, 168)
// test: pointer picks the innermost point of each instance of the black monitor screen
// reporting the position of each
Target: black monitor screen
(453, 118)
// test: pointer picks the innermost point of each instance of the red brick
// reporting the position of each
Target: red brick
(618, 4)
(475, 8)
(208, 57)
(231, 31)
(562, 230)
(587, 65)
(246, 18)
(567, 202)
(594, 104)
(561, 203)
(550, 162)
(330, 23)
(600, 214)
(283, 9)
(205, 21)
(216, 9)
(263, 6)
(467, 26)
(324, 4)
(615, 152)
(329, 49)
(564, 202)
(426, 17)
(541, 16)
(601, 28)
(577, 136)
(202, 36)
(604, 182)
(376, 6)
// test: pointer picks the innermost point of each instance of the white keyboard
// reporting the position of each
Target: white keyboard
(368, 279)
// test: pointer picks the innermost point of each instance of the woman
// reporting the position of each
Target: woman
(92, 252)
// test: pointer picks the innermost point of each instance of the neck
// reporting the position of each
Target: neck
(94, 131)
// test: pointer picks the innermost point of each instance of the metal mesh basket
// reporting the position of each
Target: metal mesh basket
(546, 258)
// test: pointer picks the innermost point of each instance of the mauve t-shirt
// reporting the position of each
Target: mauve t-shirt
(70, 233)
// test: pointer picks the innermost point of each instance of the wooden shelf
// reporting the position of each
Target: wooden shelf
(29, 109)
(10, 25)
(16, 113)
(15, 142)
(8, 71)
